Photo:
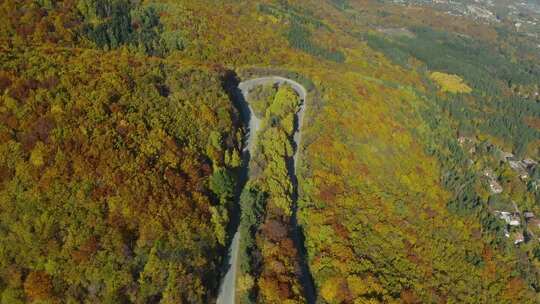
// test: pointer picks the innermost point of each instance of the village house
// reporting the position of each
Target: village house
(520, 168)
(510, 218)
(514, 220)
(495, 187)
(507, 156)
(529, 163)
(464, 140)
(518, 237)
(516, 165)
(488, 172)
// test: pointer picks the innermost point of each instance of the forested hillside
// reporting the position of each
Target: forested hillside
(120, 149)
(270, 257)
(105, 169)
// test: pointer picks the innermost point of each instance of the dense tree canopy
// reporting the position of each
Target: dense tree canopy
(119, 149)
(109, 170)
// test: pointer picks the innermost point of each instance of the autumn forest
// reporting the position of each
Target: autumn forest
(389, 153)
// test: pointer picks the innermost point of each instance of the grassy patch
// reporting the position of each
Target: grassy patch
(450, 83)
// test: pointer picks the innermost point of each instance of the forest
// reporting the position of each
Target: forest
(491, 109)
(111, 164)
(270, 259)
(104, 179)
(121, 148)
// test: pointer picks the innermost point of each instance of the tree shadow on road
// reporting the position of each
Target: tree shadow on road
(230, 85)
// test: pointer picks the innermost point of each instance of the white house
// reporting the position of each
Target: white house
(495, 187)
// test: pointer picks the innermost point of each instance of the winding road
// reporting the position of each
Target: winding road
(228, 285)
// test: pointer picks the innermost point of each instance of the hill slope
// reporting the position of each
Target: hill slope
(120, 147)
